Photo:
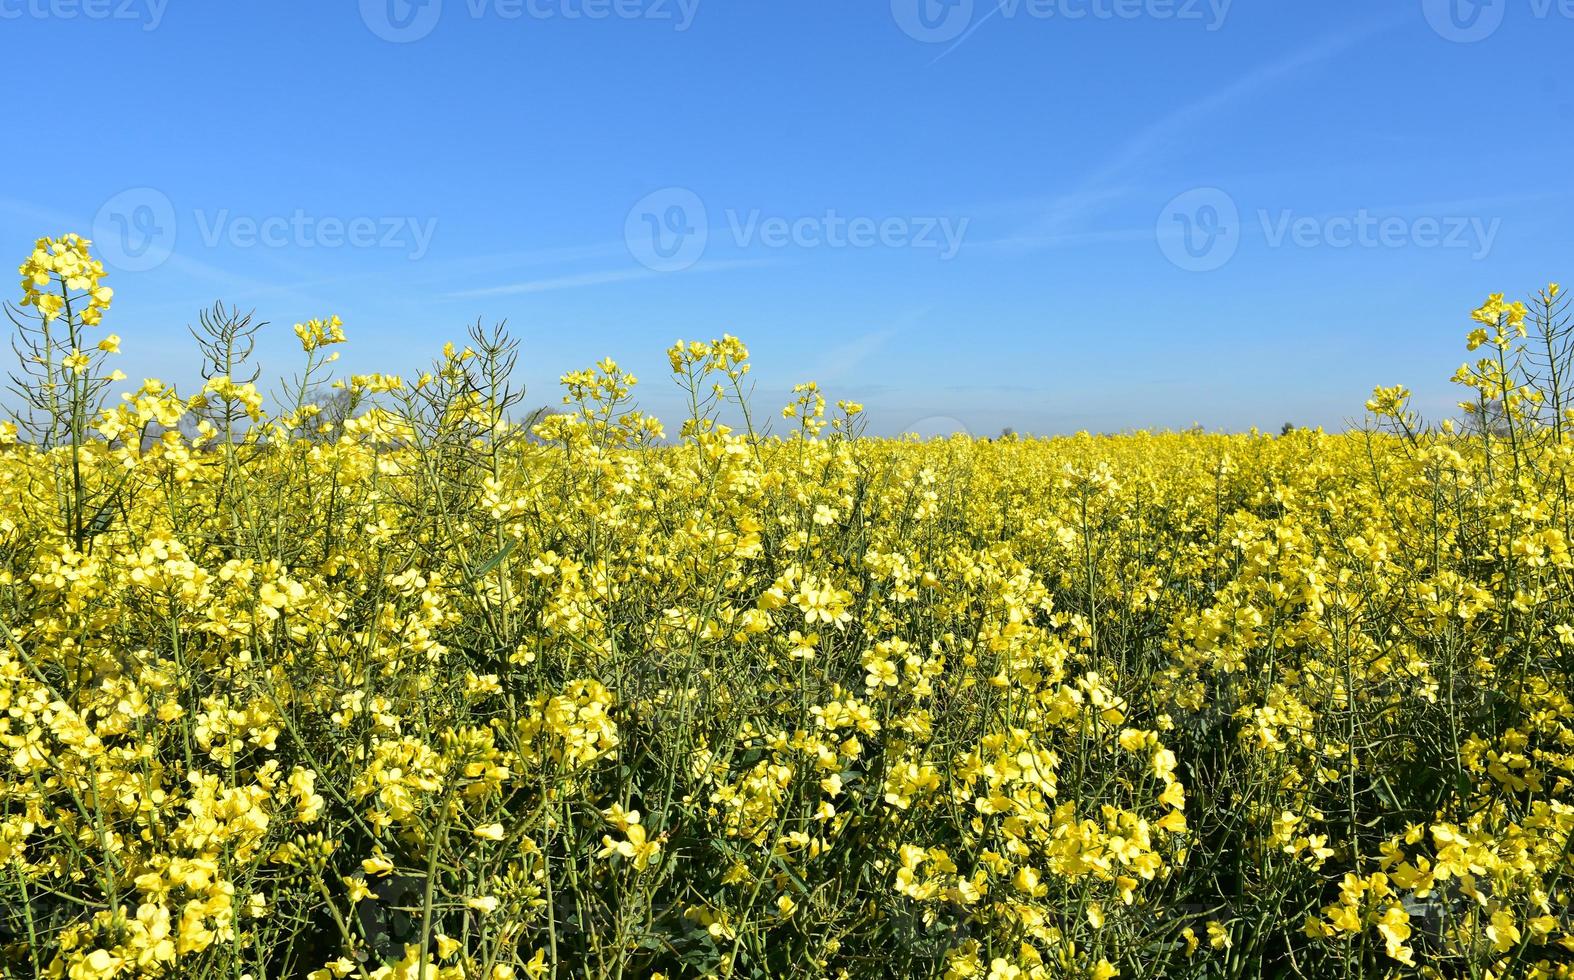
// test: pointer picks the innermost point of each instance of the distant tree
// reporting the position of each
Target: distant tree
(336, 408)
(333, 408)
(1488, 418)
(153, 434)
(533, 418)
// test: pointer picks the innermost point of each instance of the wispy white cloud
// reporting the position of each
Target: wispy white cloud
(55, 222)
(1066, 239)
(552, 283)
(838, 361)
(971, 30)
(599, 278)
(1113, 178)
(1496, 205)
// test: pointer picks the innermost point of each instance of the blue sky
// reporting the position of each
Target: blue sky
(1050, 214)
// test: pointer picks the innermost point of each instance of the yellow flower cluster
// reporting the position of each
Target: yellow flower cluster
(427, 691)
(63, 270)
(320, 333)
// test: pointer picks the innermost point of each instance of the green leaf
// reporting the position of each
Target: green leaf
(486, 567)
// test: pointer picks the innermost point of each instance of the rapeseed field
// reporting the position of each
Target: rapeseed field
(380, 679)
